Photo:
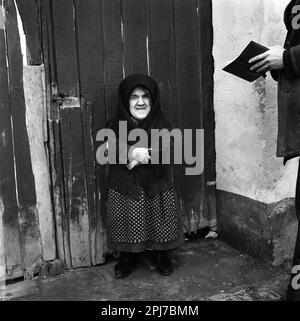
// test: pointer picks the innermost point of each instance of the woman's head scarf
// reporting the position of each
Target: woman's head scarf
(155, 118)
(288, 14)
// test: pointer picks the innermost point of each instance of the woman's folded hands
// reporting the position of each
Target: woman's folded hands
(137, 156)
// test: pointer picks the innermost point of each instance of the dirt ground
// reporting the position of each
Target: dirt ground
(205, 270)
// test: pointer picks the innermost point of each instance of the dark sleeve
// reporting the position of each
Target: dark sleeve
(121, 148)
(159, 152)
(291, 61)
(275, 74)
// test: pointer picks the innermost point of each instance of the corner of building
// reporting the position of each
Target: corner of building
(255, 191)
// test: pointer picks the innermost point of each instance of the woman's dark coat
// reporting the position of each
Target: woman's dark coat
(153, 178)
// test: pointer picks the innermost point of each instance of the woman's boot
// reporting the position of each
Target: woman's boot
(164, 262)
(124, 267)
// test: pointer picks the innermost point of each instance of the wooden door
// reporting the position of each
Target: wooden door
(89, 46)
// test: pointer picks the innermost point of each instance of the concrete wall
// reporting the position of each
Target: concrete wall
(248, 171)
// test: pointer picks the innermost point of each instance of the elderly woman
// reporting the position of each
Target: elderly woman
(284, 64)
(143, 212)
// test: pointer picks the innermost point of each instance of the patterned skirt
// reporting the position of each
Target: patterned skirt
(136, 225)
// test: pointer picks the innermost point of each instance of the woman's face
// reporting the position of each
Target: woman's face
(139, 103)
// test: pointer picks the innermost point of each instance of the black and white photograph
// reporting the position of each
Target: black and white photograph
(149, 154)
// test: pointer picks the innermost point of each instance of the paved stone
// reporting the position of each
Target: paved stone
(205, 270)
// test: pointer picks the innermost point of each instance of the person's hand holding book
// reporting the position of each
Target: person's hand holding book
(269, 60)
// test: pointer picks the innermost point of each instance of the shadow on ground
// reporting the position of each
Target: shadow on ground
(205, 270)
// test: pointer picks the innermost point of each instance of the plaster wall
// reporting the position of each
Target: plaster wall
(246, 113)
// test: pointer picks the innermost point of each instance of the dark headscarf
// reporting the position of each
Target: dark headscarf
(288, 15)
(153, 177)
(155, 118)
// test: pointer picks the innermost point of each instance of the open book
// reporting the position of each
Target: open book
(240, 66)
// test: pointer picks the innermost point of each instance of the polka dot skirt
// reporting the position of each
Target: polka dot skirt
(145, 223)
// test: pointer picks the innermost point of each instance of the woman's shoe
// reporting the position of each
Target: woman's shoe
(164, 262)
(124, 267)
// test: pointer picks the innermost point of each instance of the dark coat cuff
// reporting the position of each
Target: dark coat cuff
(291, 61)
(275, 74)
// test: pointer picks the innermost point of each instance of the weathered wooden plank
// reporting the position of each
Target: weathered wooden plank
(79, 219)
(91, 69)
(90, 175)
(112, 28)
(74, 173)
(55, 158)
(189, 97)
(9, 207)
(163, 64)
(28, 220)
(206, 43)
(2, 250)
(134, 17)
(29, 12)
(207, 68)
(188, 62)
(35, 113)
(113, 53)
(48, 51)
(60, 188)
(63, 134)
(162, 54)
(65, 47)
(89, 28)
(96, 226)
(75, 188)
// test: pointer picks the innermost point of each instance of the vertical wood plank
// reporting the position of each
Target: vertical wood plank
(48, 45)
(189, 95)
(9, 206)
(63, 134)
(98, 248)
(65, 47)
(89, 31)
(89, 21)
(134, 16)
(29, 12)
(162, 54)
(207, 69)
(90, 180)
(28, 221)
(113, 71)
(60, 189)
(163, 64)
(2, 250)
(55, 162)
(74, 174)
(79, 220)
(74, 167)
(113, 53)
(35, 112)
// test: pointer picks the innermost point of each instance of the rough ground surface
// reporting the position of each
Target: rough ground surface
(205, 270)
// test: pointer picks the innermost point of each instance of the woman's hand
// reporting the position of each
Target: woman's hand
(269, 60)
(139, 155)
(132, 164)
